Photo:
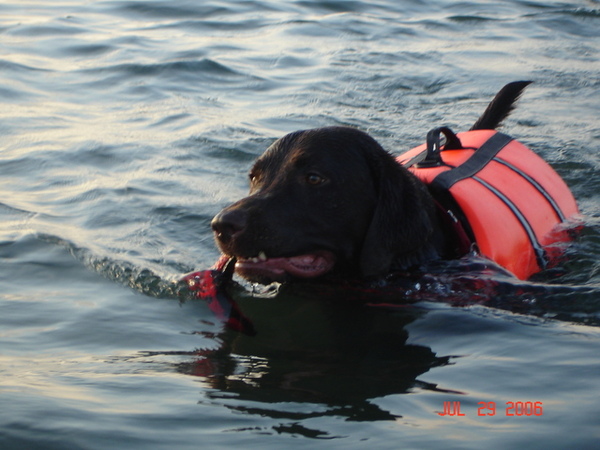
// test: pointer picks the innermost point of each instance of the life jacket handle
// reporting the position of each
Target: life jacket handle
(433, 158)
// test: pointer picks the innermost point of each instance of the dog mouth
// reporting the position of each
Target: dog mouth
(265, 270)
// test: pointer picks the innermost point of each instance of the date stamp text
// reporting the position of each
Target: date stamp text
(516, 409)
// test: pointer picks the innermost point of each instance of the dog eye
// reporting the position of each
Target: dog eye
(314, 179)
(254, 178)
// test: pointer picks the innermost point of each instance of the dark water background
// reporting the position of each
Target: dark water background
(126, 125)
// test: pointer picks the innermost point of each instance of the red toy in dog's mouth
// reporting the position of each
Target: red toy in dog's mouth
(262, 268)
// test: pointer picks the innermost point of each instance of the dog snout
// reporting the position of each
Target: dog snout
(228, 224)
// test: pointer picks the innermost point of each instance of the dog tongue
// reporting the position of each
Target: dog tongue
(275, 269)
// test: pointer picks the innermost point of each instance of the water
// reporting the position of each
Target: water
(126, 125)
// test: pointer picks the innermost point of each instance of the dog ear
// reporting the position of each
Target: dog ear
(402, 226)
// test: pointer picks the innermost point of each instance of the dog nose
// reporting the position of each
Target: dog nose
(228, 224)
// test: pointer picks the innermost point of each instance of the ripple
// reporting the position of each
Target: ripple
(87, 49)
(471, 19)
(12, 94)
(188, 75)
(334, 6)
(46, 30)
(9, 66)
(166, 9)
(169, 68)
(98, 155)
(173, 119)
(571, 26)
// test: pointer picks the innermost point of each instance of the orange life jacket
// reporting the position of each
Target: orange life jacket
(510, 200)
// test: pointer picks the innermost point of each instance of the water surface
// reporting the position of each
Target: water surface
(126, 125)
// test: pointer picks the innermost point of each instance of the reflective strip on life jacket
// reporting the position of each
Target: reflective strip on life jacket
(512, 200)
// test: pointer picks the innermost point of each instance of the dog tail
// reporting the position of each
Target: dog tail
(501, 106)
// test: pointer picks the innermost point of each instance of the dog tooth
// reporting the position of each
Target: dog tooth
(262, 256)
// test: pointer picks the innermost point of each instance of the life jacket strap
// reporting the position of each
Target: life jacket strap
(482, 156)
(461, 242)
(432, 157)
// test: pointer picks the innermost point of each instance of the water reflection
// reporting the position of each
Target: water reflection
(336, 354)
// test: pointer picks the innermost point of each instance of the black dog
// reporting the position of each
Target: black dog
(333, 201)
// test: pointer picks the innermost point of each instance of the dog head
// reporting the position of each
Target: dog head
(327, 200)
